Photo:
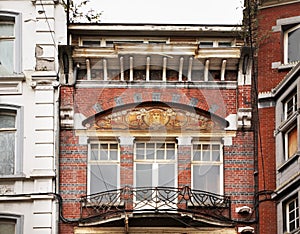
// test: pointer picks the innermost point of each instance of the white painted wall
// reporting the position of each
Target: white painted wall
(38, 96)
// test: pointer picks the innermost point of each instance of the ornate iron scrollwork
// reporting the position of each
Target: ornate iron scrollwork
(108, 204)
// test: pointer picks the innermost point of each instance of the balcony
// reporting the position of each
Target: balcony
(112, 204)
(154, 63)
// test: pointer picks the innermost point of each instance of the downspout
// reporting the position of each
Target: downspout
(68, 22)
(255, 120)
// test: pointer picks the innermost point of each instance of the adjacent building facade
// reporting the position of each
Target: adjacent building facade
(30, 32)
(156, 130)
(278, 85)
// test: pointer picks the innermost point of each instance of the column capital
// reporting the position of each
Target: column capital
(184, 140)
(126, 140)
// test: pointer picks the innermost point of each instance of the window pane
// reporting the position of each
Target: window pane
(160, 154)
(91, 43)
(103, 178)
(292, 142)
(224, 44)
(114, 155)
(170, 154)
(206, 153)
(196, 156)
(7, 121)
(143, 175)
(140, 150)
(7, 226)
(94, 152)
(7, 153)
(143, 179)
(166, 178)
(205, 44)
(294, 45)
(170, 151)
(6, 29)
(216, 153)
(150, 151)
(293, 215)
(206, 178)
(166, 175)
(6, 56)
(104, 152)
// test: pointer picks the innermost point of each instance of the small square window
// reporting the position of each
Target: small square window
(206, 44)
(224, 44)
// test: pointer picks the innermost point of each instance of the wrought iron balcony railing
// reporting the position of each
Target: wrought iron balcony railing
(110, 204)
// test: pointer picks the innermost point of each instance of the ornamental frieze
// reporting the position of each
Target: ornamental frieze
(154, 118)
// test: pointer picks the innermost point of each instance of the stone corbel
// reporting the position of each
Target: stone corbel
(67, 117)
(244, 118)
(36, 83)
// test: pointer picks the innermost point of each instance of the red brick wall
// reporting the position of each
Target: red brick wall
(238, 158)
(270, 44)
(72, 176)
(270, 49)
(267, 171)
(86, 98)
(238, 172)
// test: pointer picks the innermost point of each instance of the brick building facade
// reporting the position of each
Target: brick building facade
(278, 73)
(156, 130)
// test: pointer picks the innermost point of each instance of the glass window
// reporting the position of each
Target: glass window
(91, 43)
(292, 44)
(7, 226)
(8, 142)
(103, 167)
(224, 44)
(9, 44)
(290, 105)
(291, 142)
(292, 215)
(206, 44)
(155, 164)
(207, 167)
(11, 224)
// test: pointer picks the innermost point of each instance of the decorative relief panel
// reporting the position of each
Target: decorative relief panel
(154, 118)
(6, 189)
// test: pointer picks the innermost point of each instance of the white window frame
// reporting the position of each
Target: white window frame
(207, 163)
(286, 40)
(296, 213)
(293, 99)
(18, 112)
(102, 162)
(17, 219)
(17, 60)
(286, 142)
(155, 162)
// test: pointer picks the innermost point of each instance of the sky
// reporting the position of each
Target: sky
(169, 11)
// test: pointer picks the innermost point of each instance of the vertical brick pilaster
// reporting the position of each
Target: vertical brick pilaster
(126, 167)
(184, 164)
(126, 161)
(184, 161)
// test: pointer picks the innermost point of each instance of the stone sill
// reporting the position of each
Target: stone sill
(288, 162)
